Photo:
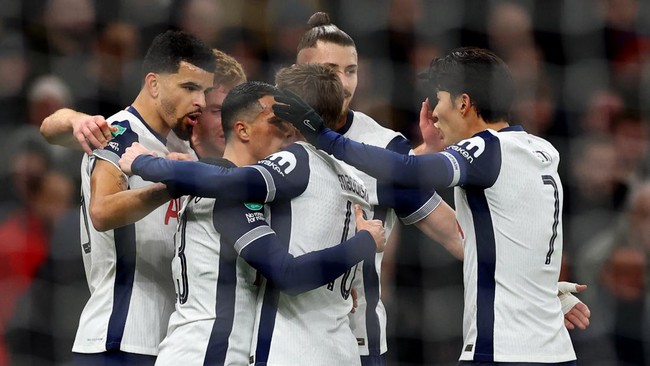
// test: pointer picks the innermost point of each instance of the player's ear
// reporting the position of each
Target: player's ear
(151, 83)
(464, 103)
(242, 130)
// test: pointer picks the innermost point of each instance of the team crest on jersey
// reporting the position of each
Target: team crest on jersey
(253, 206)
(282, 162)
(120, 130)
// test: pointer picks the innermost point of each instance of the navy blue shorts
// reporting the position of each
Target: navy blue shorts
(112, 358)
(373, 360)
(482, 363)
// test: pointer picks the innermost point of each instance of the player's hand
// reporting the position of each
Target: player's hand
(374, 227)
(291, 108)
(355, 300)
(92, 132)
(576, 313)
(132, 152)
(431, 137)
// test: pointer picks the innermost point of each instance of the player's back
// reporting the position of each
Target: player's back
(127, 268)
(311, 328)
(512, 312)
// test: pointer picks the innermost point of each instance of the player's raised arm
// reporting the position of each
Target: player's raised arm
(385, 165)
(76, 130)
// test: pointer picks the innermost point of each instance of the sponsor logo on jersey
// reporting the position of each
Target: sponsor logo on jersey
(252, 217)
(470, 148)
(348, 183)
(282, 162)
(120, 130)
(114, 145)
(253, 206)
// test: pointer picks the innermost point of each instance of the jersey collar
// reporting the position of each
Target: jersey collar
(134, 112)
(519, 128)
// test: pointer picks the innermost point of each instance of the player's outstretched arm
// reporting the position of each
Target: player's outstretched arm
(76, 130)
(126, 160)
(295, 275)
(195, 178)
(576, 313)
(442, 227)
(387, 166)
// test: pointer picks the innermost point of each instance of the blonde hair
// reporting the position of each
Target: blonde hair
(227, 72)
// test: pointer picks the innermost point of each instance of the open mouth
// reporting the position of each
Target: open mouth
(193, 118)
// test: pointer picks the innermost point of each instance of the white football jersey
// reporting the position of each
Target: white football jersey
(311, 328)
(215, 289)
(512, 312)
(128, 268)
(369, 321)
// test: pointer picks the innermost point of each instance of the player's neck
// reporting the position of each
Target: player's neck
(151, 117)
(238, 155)
(341, 122)
(496, 126)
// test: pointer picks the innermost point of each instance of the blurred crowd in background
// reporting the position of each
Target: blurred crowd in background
(582, 68)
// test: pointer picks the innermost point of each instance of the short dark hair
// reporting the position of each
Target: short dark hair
(322, 29)
(318, 85)
(170, 48)
(242, 103)
(480, 74)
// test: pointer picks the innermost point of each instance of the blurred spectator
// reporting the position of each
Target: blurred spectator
(44, 323)
(602, 105)
(44, 96)
(631, 136)
(112, 77)
(293, 16)
(509, 29)
(594, 183)
(28, 161)
(23, 230)
(203, 18)
(614, 264)
(248, 47)
(14, 69)
(64, 31)
(626, 48)
(593, 193)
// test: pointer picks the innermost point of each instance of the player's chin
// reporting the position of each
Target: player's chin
(183, 131)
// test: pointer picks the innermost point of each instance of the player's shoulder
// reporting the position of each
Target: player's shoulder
(517, 135)
(122, 117)
(367, 130)
(126, 123)
(286, 160)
